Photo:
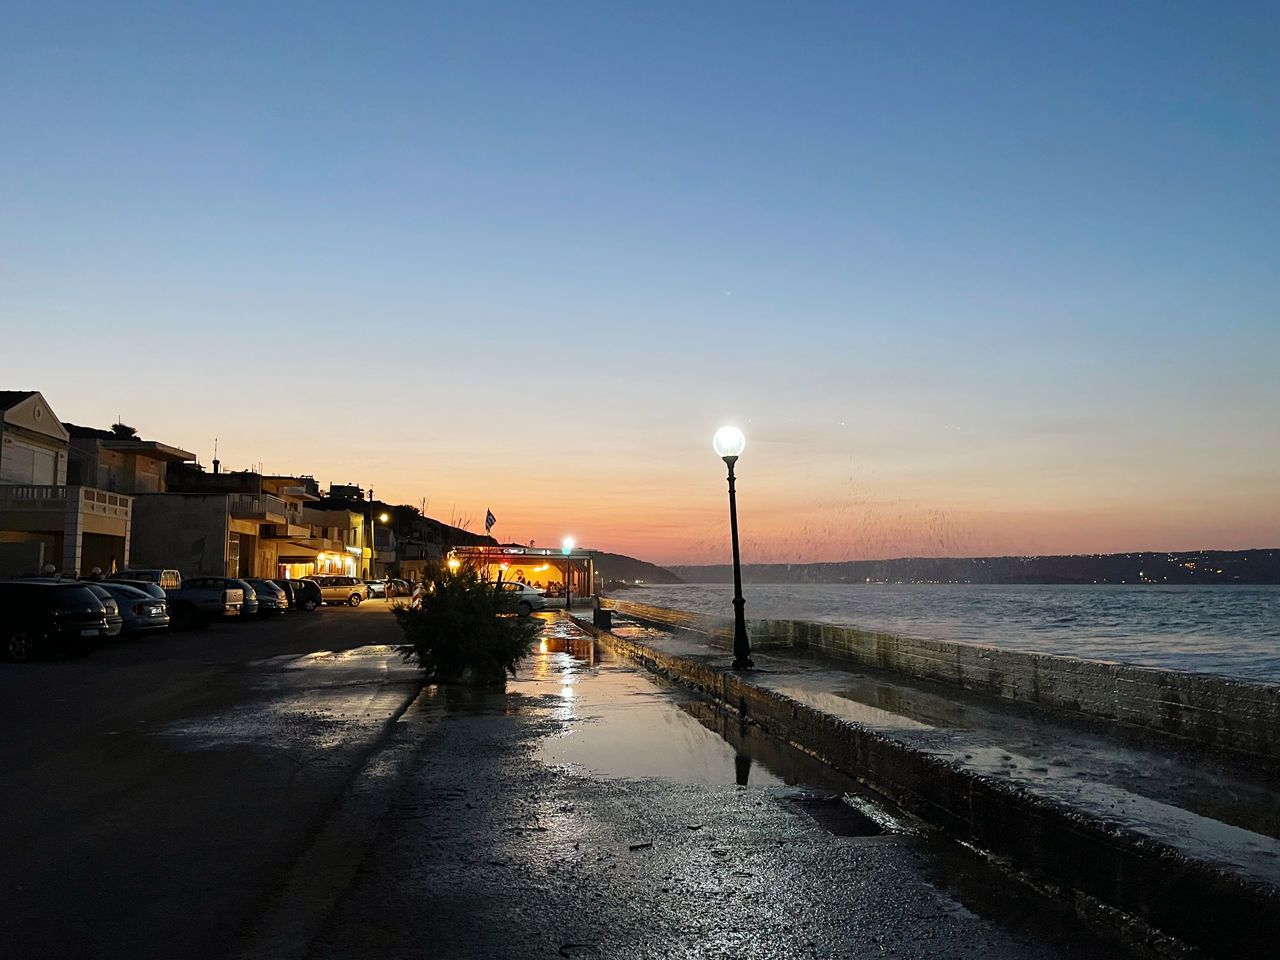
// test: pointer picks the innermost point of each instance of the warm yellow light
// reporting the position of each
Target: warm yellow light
(454, 564)
(383, 517)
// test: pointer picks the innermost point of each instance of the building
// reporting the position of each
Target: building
(46, 519)
(239, 524)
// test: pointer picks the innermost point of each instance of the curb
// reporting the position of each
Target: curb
(1156, 897)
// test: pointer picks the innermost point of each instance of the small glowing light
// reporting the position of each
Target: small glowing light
(728, 442)
(567, 548)
(454, 564)
(383, 517)
(542, 646)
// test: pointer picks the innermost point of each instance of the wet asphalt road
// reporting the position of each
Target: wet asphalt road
(255, 791)
(156, 791)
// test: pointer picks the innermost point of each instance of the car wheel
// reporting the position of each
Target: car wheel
(526, 608)
(308, 605)
(20, 646)
(354, 600)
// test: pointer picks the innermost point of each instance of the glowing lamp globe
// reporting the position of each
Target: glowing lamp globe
(728, 442)
(567, 548)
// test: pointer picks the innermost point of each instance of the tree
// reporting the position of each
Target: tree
(466, 631)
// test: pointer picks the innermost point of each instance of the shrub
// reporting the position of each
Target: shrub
(465, 631)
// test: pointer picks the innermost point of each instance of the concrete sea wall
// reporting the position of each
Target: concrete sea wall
(1199, 709)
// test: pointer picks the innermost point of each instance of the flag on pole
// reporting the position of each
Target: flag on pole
(489, 520)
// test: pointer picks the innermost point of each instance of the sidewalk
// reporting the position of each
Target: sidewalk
(1183, 842)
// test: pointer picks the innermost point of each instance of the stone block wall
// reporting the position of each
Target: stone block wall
(1208, 711)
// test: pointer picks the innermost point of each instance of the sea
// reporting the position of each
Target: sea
(1226, 630)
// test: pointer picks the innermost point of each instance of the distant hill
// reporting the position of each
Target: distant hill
(615, 566)
(1180, 567)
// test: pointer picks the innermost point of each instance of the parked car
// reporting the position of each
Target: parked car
(399, 588)
(528, 599)
(146, 586)
(141, 611)
(302, 594)
(115, 621)
(37, 618)
(201, 600)
(335, 588)
(376, 588)
(169, 579)
(271, 599)
(250, 607)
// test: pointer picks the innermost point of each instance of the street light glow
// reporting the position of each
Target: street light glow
(728, 442)
(568, 545)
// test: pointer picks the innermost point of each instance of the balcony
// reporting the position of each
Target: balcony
(39, 498)
(257, 506)
(74, 510)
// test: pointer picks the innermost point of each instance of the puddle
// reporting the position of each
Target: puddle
(625, 723)
(623, 726)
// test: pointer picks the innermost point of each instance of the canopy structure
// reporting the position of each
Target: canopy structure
(546, 568)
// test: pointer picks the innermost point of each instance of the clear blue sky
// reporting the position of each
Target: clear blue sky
(974, 277)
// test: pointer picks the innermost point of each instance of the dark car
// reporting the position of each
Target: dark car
(250, 606)
(271, 599)
(399, 588)
(302, 594)
(115, 620)
(41, 617)
(141, 611)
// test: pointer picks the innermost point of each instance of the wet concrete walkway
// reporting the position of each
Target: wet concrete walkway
(1201, 826)
(594, 810)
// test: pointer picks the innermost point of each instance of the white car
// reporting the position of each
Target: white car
(526, 596)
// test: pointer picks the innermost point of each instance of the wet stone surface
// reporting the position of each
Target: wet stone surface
(666, 831)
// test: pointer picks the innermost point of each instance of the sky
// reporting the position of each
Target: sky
(974, 279)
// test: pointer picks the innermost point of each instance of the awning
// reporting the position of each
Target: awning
(297, 552)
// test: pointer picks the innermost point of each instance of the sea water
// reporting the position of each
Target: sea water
(1232, 631)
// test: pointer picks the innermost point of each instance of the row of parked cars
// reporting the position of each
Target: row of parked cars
(41, 614)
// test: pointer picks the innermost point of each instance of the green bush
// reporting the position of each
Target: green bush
(465, 631)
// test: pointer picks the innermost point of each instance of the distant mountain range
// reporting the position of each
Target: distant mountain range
(1181, 567)
(622, 569)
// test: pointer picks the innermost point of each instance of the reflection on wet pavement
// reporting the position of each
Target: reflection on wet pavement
(623, 723)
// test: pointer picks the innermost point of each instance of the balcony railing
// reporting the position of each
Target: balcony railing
(257, 506)
(56, 498)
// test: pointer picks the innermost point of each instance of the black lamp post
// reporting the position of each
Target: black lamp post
(728, 443)
(567, 549)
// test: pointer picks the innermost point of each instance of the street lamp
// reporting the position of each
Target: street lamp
(728, 443)
(567, 549)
